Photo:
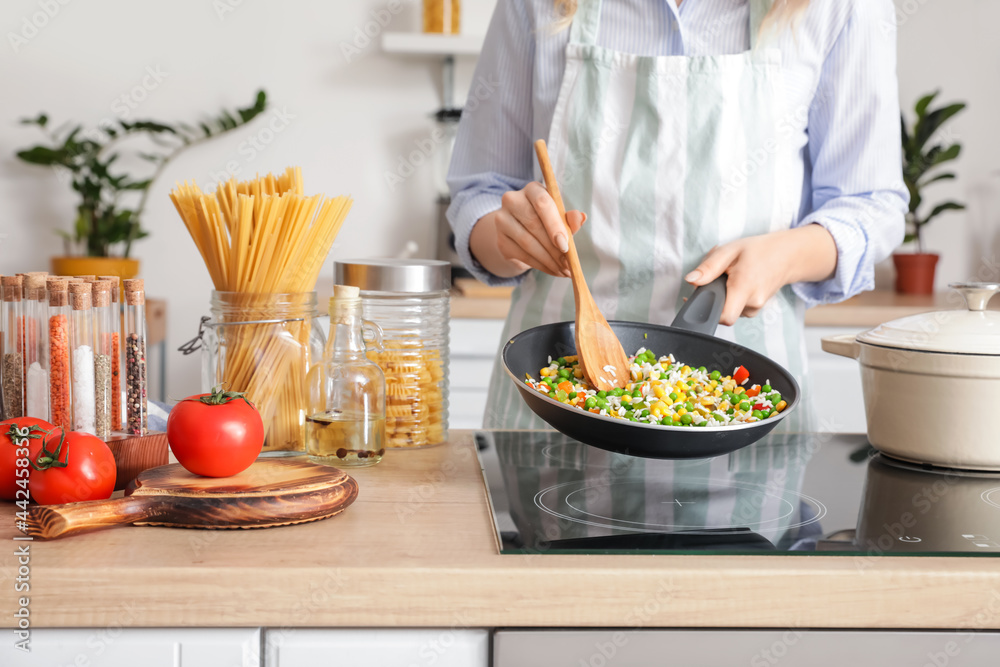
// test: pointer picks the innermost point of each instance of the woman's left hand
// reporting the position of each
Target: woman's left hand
(759, 266)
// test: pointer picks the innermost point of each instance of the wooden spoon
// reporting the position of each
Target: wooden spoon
(600, 353)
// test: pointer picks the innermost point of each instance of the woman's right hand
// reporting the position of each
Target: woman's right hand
(526, 232)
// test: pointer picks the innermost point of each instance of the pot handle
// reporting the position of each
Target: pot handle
(844, 345)
(701, 312)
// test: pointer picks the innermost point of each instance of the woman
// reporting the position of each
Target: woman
(758, 138)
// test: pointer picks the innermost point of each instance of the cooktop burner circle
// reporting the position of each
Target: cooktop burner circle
(572, 495)
(598, 458)
(992, 497)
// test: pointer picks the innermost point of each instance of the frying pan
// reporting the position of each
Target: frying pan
(689, 338)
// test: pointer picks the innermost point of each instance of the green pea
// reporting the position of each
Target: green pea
(674, 396)
(766, 389)
(717, 417)
(702, 369)
(715, 375)
(590, 403)
(757, 414)
(774, 397)
(644, 412)
(565, 372)
(690, 383)
(617, 391)
(731, 411)
(745, 405)
(602, 394)
(704, 423)
(689, 406)
(561, 361)
(687, 419)
(572, 394)
(637, 393)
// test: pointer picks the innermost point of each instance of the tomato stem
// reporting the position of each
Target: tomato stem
(47, 459)
(219, 397)
(33, 432)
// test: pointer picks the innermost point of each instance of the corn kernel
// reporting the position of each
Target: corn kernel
(781, 406)
(545, 372)
(739, 390)
(724, 406)
(571, 358)
(682, 412)
(626, 398)
(676, 417)
(713, 384)
(659, 391)
(578, 373)
(717, 392)
(708, 400)
(685, 369)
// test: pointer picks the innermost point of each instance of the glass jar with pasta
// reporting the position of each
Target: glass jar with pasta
(410, 300)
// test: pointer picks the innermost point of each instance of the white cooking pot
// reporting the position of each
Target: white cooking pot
(932, 383)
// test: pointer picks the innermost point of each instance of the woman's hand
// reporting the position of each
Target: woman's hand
(526, 232)
(759, 266)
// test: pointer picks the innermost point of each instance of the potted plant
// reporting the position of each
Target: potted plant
(921, 162)
(111, 202)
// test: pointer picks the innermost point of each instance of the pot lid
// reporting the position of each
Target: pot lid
(972, 330)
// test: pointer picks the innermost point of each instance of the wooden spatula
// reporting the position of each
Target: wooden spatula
(600, 353)
(271, 492)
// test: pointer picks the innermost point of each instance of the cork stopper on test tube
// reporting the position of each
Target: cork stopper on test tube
(101, 293)
(79, 296)
(135, 294)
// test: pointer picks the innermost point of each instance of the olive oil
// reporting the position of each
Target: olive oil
(341, 439)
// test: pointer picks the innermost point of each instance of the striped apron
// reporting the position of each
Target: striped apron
(668, 156)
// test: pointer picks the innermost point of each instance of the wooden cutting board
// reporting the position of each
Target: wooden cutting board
(271, 492)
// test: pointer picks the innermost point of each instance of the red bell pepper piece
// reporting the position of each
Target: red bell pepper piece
(741, 375)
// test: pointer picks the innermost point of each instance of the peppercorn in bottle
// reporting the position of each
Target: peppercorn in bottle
(13, 347)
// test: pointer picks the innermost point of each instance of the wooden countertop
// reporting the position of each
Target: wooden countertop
(418, 549)
(864, 311)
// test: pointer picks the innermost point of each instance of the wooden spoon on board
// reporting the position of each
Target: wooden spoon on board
(601, 355)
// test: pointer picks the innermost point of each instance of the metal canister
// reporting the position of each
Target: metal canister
(410, 300)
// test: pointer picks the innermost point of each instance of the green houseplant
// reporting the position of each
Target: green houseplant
(111, 201)
(922, 161)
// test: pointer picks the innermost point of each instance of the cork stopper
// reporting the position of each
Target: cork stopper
(134, 292)
(346, 292)
(58, 293)
(80, 300)
(101, 293)
(34, 287)
(74, 279)
(79, 288)
(86, 278)
(116, 283)
(11, 288)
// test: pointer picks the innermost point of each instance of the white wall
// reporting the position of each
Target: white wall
(353, 121)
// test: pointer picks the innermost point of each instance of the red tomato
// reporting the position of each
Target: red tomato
(75, 466)
(9, 475)
(215, 435)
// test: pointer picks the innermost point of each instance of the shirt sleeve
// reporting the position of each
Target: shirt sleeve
(493, 148)
(854, 148)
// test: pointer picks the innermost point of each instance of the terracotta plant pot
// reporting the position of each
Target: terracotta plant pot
(96, 266)
(915, 272)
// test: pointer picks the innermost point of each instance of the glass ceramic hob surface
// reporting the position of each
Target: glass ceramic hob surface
(797, 493)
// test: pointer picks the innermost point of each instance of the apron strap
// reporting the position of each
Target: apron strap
(758, 10)
(586, 23)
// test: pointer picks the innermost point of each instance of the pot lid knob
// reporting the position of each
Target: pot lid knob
(977, 295)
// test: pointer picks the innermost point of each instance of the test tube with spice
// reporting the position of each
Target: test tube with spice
(36, 347)
(13, 347)
(116, 353)
(60, 382)
(135, 357)
(103, 351)
(2, 341)
(81, 344)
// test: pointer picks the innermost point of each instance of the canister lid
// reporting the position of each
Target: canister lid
(972, 330)
(409, 276)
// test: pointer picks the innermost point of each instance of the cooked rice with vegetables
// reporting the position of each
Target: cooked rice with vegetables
(663, 391)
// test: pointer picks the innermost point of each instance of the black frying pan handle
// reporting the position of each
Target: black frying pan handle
(702, 310)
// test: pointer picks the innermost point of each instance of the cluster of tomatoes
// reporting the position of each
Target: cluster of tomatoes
(60, 467)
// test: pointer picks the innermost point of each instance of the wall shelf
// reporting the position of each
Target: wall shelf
(418, 43)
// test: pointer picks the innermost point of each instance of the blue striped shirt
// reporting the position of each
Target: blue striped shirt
(840, 70)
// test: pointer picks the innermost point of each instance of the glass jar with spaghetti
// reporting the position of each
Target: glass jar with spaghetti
(264, 345)
(410, 300)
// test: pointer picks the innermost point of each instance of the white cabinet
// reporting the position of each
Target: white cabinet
(376, 648)
(115, 646)
(835, 385)
(474, 347)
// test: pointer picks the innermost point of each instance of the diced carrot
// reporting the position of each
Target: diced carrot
(753, 391)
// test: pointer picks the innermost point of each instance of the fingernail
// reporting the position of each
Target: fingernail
(693, 276)
(562, 243)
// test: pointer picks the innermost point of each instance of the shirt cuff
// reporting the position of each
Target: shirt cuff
(463, 216)
(853, 274)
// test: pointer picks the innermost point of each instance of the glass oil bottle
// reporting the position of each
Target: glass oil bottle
(346, 422)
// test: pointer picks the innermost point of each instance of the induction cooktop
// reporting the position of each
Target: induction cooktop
(790, 493)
